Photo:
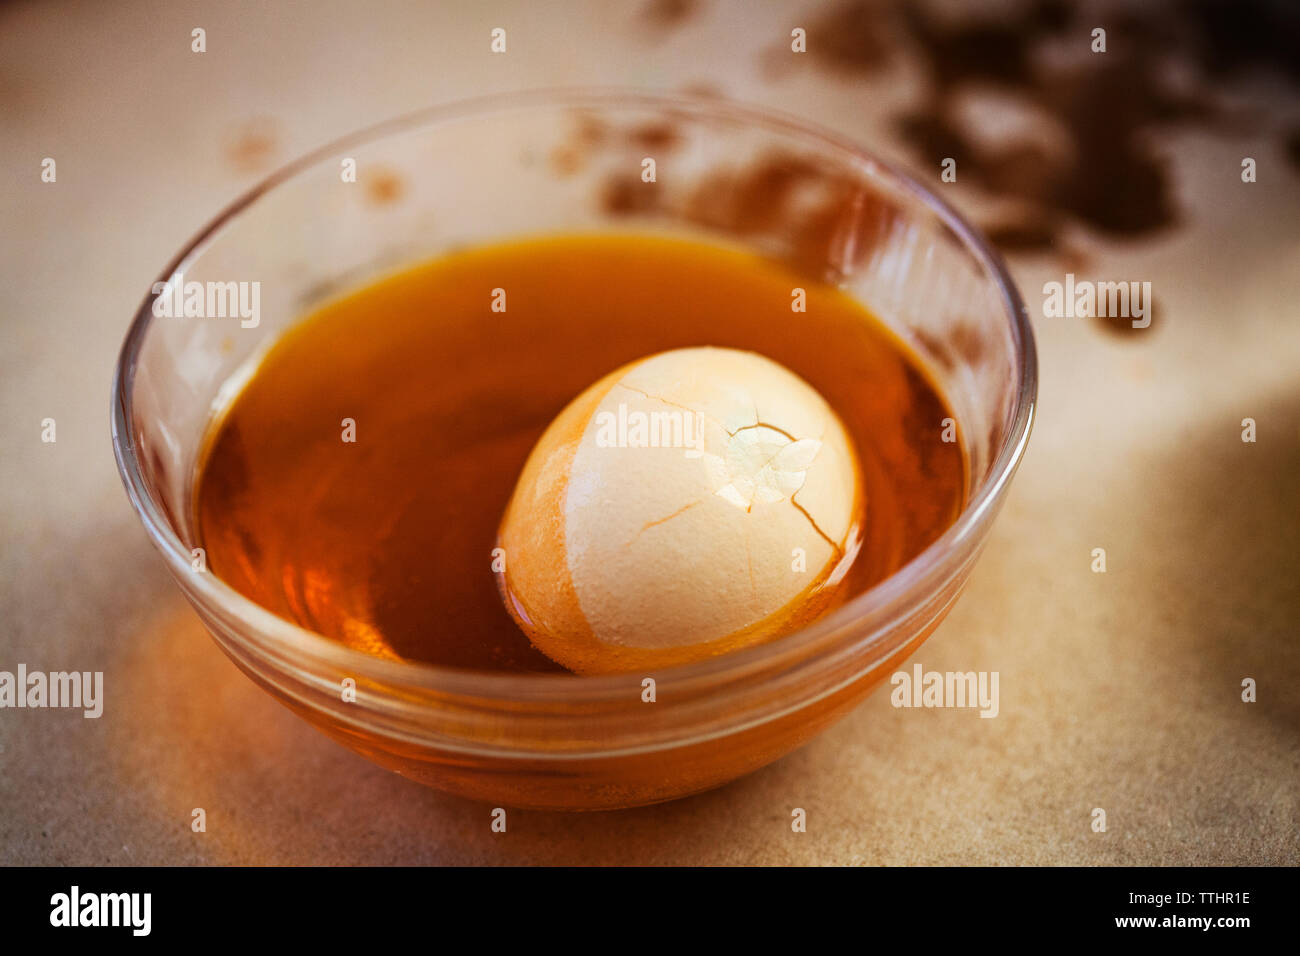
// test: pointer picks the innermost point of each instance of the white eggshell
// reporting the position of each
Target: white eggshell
(680, 505)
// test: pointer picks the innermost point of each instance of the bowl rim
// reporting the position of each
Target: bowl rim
(923, 574)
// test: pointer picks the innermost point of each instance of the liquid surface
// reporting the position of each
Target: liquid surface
(384, 543)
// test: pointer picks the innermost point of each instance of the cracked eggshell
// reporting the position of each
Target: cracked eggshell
(656, 522)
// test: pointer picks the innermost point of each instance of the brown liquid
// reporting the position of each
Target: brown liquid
(385, 543)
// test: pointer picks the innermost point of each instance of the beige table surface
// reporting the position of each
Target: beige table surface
(1119, 690)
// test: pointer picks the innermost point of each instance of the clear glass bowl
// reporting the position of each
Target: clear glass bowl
(570, 161)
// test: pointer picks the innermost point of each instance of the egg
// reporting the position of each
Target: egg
(688, 504)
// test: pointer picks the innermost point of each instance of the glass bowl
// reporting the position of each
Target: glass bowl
(518, 165)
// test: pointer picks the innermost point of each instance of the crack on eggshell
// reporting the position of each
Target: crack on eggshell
(658, 521)
(750, 507)
(730, 433)
(839, 548)
(759, 424)
(685, 408)
(800, 466)
(776, 478)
